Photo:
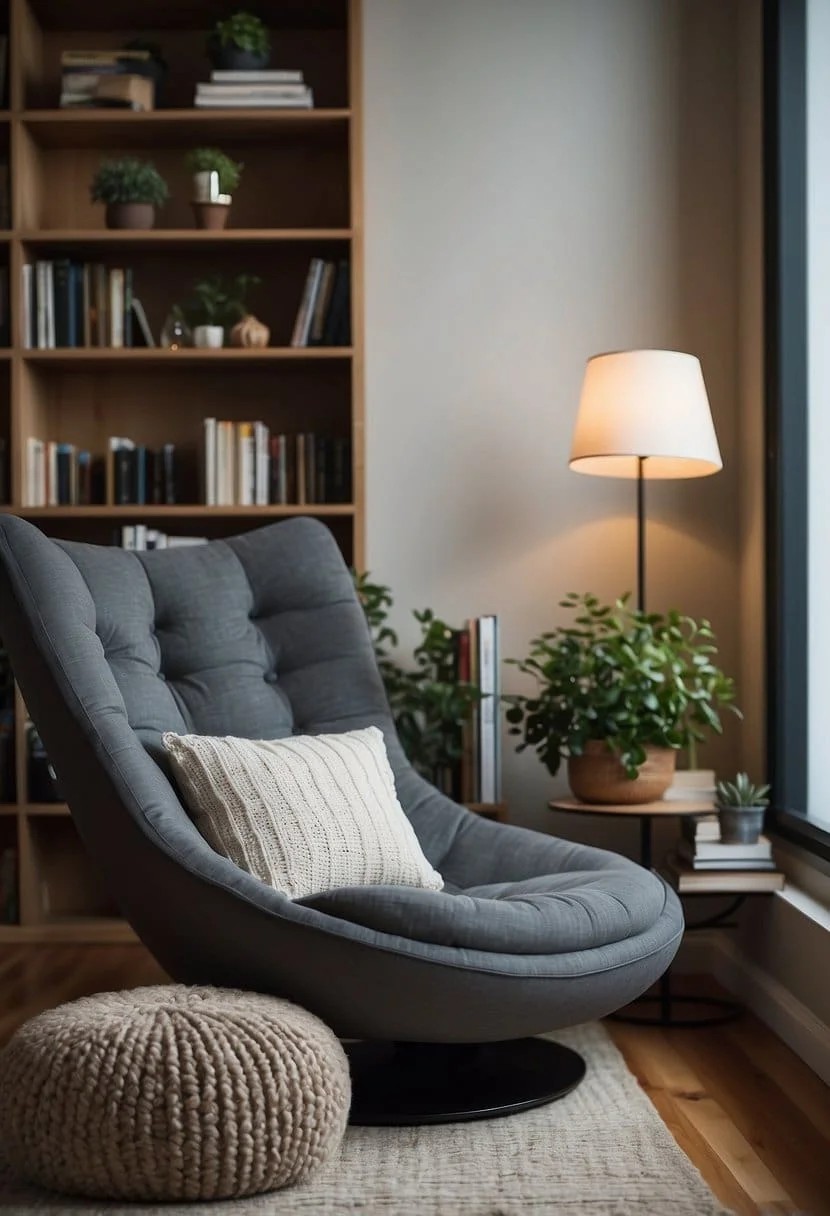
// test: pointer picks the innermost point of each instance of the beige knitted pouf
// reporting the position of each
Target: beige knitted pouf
(172, 1093)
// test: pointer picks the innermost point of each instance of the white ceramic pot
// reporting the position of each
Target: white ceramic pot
(208, 336)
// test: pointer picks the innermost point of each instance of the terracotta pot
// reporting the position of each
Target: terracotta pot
(598, 776)
(211, 216)
(130, 215)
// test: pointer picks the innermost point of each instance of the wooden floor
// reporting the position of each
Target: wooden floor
(751, 1116)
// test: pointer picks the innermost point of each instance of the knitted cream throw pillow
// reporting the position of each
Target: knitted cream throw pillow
(304, 814)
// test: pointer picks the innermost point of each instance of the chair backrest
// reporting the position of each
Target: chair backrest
(260, 636)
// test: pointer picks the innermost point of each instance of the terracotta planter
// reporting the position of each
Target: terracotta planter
(130, 215)
(211, 216)
(597, 776)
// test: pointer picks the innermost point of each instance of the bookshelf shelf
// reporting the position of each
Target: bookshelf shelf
(300, 198)
(194, 511)
(166, 237)
(174, 128)
(155, 356)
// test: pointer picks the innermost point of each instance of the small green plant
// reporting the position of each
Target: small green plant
(128, 181)
(630, 678)
(244, 31)
(428, 702)
(218, 301)
(207, 160)
(741, 793)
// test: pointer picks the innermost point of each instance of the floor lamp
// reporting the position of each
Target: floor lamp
(644, 415)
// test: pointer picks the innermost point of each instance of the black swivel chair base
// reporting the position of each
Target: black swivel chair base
(407, 1084)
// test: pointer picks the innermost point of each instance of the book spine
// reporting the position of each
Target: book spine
(210, 462)
(169, 479)
(115, 308)
(245, 463)
(64, 302)
(299, 470)
(28, 306)
(262, 436)
(302, 324)
(127, 311)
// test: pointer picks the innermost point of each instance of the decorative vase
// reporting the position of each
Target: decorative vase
(251, 332)
(740, 824)
(234, 59)
(598, 776)
(175, 332)
(208, 336)
(130, 215)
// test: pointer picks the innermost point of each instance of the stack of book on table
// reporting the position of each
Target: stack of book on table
(105, 78)
(705, 862)
(241, 90)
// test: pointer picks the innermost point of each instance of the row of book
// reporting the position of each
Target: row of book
(324, 313)
(68, 303)
(63, 475)
(245, 465)
(268, 89)
(106, 78)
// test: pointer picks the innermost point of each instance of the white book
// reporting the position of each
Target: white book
(141, 536)
(257, 102)
(28, 300)
(51, 474)
(225, 470)
(267, 76)
(40, 306)
(116, 308)
(34, 459)
(50, 305)
(127, 536)
(183, 542)
(715, 851)
(305, 313)
(251, 90)
(245, 463)
(262, 436)
(210, 462)
(488, 717)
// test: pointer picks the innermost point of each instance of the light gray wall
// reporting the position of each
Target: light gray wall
(545, 179)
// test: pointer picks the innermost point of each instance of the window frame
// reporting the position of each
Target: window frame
(787, 419)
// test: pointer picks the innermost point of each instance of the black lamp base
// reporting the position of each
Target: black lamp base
(408, 1084)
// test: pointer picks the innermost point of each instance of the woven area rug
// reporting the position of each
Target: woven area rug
(602, 1151)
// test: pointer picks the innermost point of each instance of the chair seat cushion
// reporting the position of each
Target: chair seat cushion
(549, 914)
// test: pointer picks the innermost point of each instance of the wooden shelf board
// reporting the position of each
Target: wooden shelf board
(133, 356)
(104, 128)
(190, 511)
(45, 808)
(178, 236)
(8, 808)
(70, 929)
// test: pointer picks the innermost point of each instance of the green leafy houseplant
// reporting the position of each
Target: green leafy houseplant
(218, 301)
(429, 704)
(206, 160)
(241, 32)
(128, 181)
(625, 678)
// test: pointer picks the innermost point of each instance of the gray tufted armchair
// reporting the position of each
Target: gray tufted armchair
(262, 636)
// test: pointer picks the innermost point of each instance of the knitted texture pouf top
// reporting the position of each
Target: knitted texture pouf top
(171, 1093)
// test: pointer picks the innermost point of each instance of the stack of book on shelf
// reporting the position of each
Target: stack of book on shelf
(245, 465)
(8, 887)
(60, 475)
(323, 315)
(276, 89)
(69, 303)
(139, 536)
(703, 860)
(137, 475)
(106, 78)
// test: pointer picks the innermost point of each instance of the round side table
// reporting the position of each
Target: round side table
(666, 1000)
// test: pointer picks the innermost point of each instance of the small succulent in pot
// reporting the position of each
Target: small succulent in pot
(741, 807)
(131, 190)
(239, 43)
(215, 177)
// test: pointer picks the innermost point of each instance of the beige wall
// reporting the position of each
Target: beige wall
(544, 181)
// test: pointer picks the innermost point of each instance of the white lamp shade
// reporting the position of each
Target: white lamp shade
(648, 404)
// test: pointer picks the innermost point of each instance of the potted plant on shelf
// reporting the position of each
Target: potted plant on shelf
(217, 304)
(429, 704)
(215, 177)
(618, 693)
(240, 43)
(131, 190)
(741, 807)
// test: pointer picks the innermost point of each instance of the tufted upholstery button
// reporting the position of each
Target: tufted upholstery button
(270, 677)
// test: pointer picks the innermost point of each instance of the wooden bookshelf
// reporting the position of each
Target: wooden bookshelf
(300, 196)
